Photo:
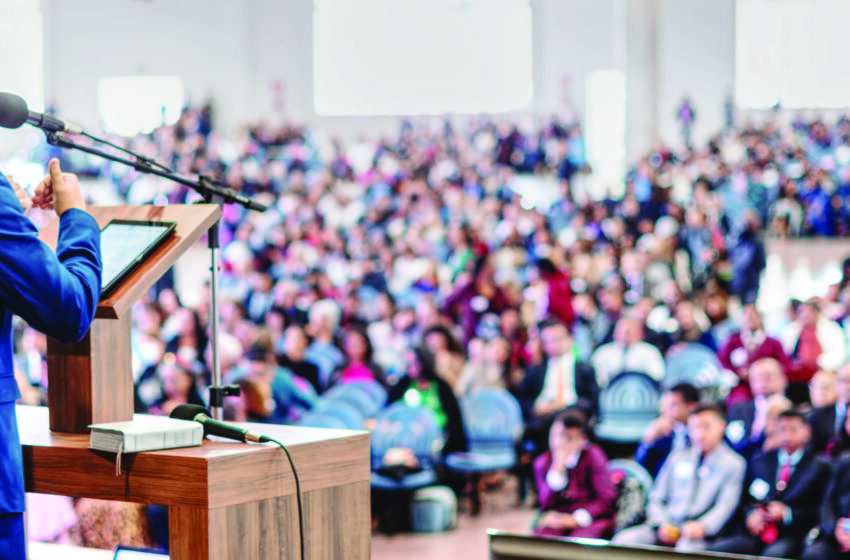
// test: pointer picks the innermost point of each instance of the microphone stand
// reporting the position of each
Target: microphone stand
(213, 192)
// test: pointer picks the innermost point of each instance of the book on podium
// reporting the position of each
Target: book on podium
(144, 433)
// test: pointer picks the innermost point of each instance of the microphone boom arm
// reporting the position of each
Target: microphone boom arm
(212, 192)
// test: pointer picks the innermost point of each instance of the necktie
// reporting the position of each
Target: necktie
(759, 421)
(771, 530)
(558, 370)
(784, 475)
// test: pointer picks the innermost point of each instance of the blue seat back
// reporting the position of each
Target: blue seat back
(348, 414)
(695, 364)
(627, 405)
(367, 400)
(402, 426)
(492, 418)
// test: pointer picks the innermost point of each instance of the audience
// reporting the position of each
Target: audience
(784, 489)
(371, 250)
(696, 492)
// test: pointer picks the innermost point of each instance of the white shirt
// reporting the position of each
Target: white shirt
(560, 374)
(612, 358)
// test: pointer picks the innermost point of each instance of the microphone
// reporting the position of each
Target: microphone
(200, 414)
(14, 113)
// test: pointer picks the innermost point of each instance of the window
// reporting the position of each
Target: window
(130, 105)
(420, 57)
(791, 52)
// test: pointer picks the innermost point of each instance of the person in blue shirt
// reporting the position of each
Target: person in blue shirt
(56, 293)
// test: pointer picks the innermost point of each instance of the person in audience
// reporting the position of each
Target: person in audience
(839, 445)
(827, 421)
(558, 295)
(421, 386)
(812, 342)
(822, 389)
(447, 353)
(689, 328)
(574, 487)
(288, 397)
(748, 419)
(747, 258)
(628, 352)
(744, 347)
(669, 432)
(359, 363)
(555, 384)
(776, 405)
(489, 365)
(178, 386)
(325, 316)
(294, 356)
(784, 489)
(481, 295)
(833, 540)
(697, 490)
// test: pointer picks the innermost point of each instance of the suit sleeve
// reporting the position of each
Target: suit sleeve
(727, 498)
(805, 515)
(56, 293)
(587, 389)
(605, 494)
(830, 511)
(545, 496)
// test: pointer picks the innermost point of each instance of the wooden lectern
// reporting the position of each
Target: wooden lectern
(90, 381)
(225, 500)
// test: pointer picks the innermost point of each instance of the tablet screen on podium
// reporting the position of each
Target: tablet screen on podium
(124, 245)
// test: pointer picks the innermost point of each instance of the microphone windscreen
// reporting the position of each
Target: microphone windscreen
(13, 110)
(188, 412)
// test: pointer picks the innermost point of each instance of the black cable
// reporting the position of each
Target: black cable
(297, 493)
(126, 151)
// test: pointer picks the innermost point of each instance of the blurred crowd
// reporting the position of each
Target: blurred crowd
(411, 261)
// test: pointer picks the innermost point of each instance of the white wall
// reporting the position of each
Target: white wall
(237, 52)
(696, 55)
(21, 54)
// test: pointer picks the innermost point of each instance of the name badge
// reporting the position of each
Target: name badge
(735, 431)
(759, 489)
(683, 469)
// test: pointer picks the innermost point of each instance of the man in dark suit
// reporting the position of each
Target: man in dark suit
(669, 432)
(828, 421)
(557, 383)
(748, 419)
(696, 491)
(783, 492)
(833, 541)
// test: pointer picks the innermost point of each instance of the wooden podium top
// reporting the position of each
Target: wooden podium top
(216, 474)
(192, 221)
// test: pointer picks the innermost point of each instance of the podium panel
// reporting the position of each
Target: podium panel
(225, 500)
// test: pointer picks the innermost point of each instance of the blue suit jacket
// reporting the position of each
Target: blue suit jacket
(56, 294)
(652, 456)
